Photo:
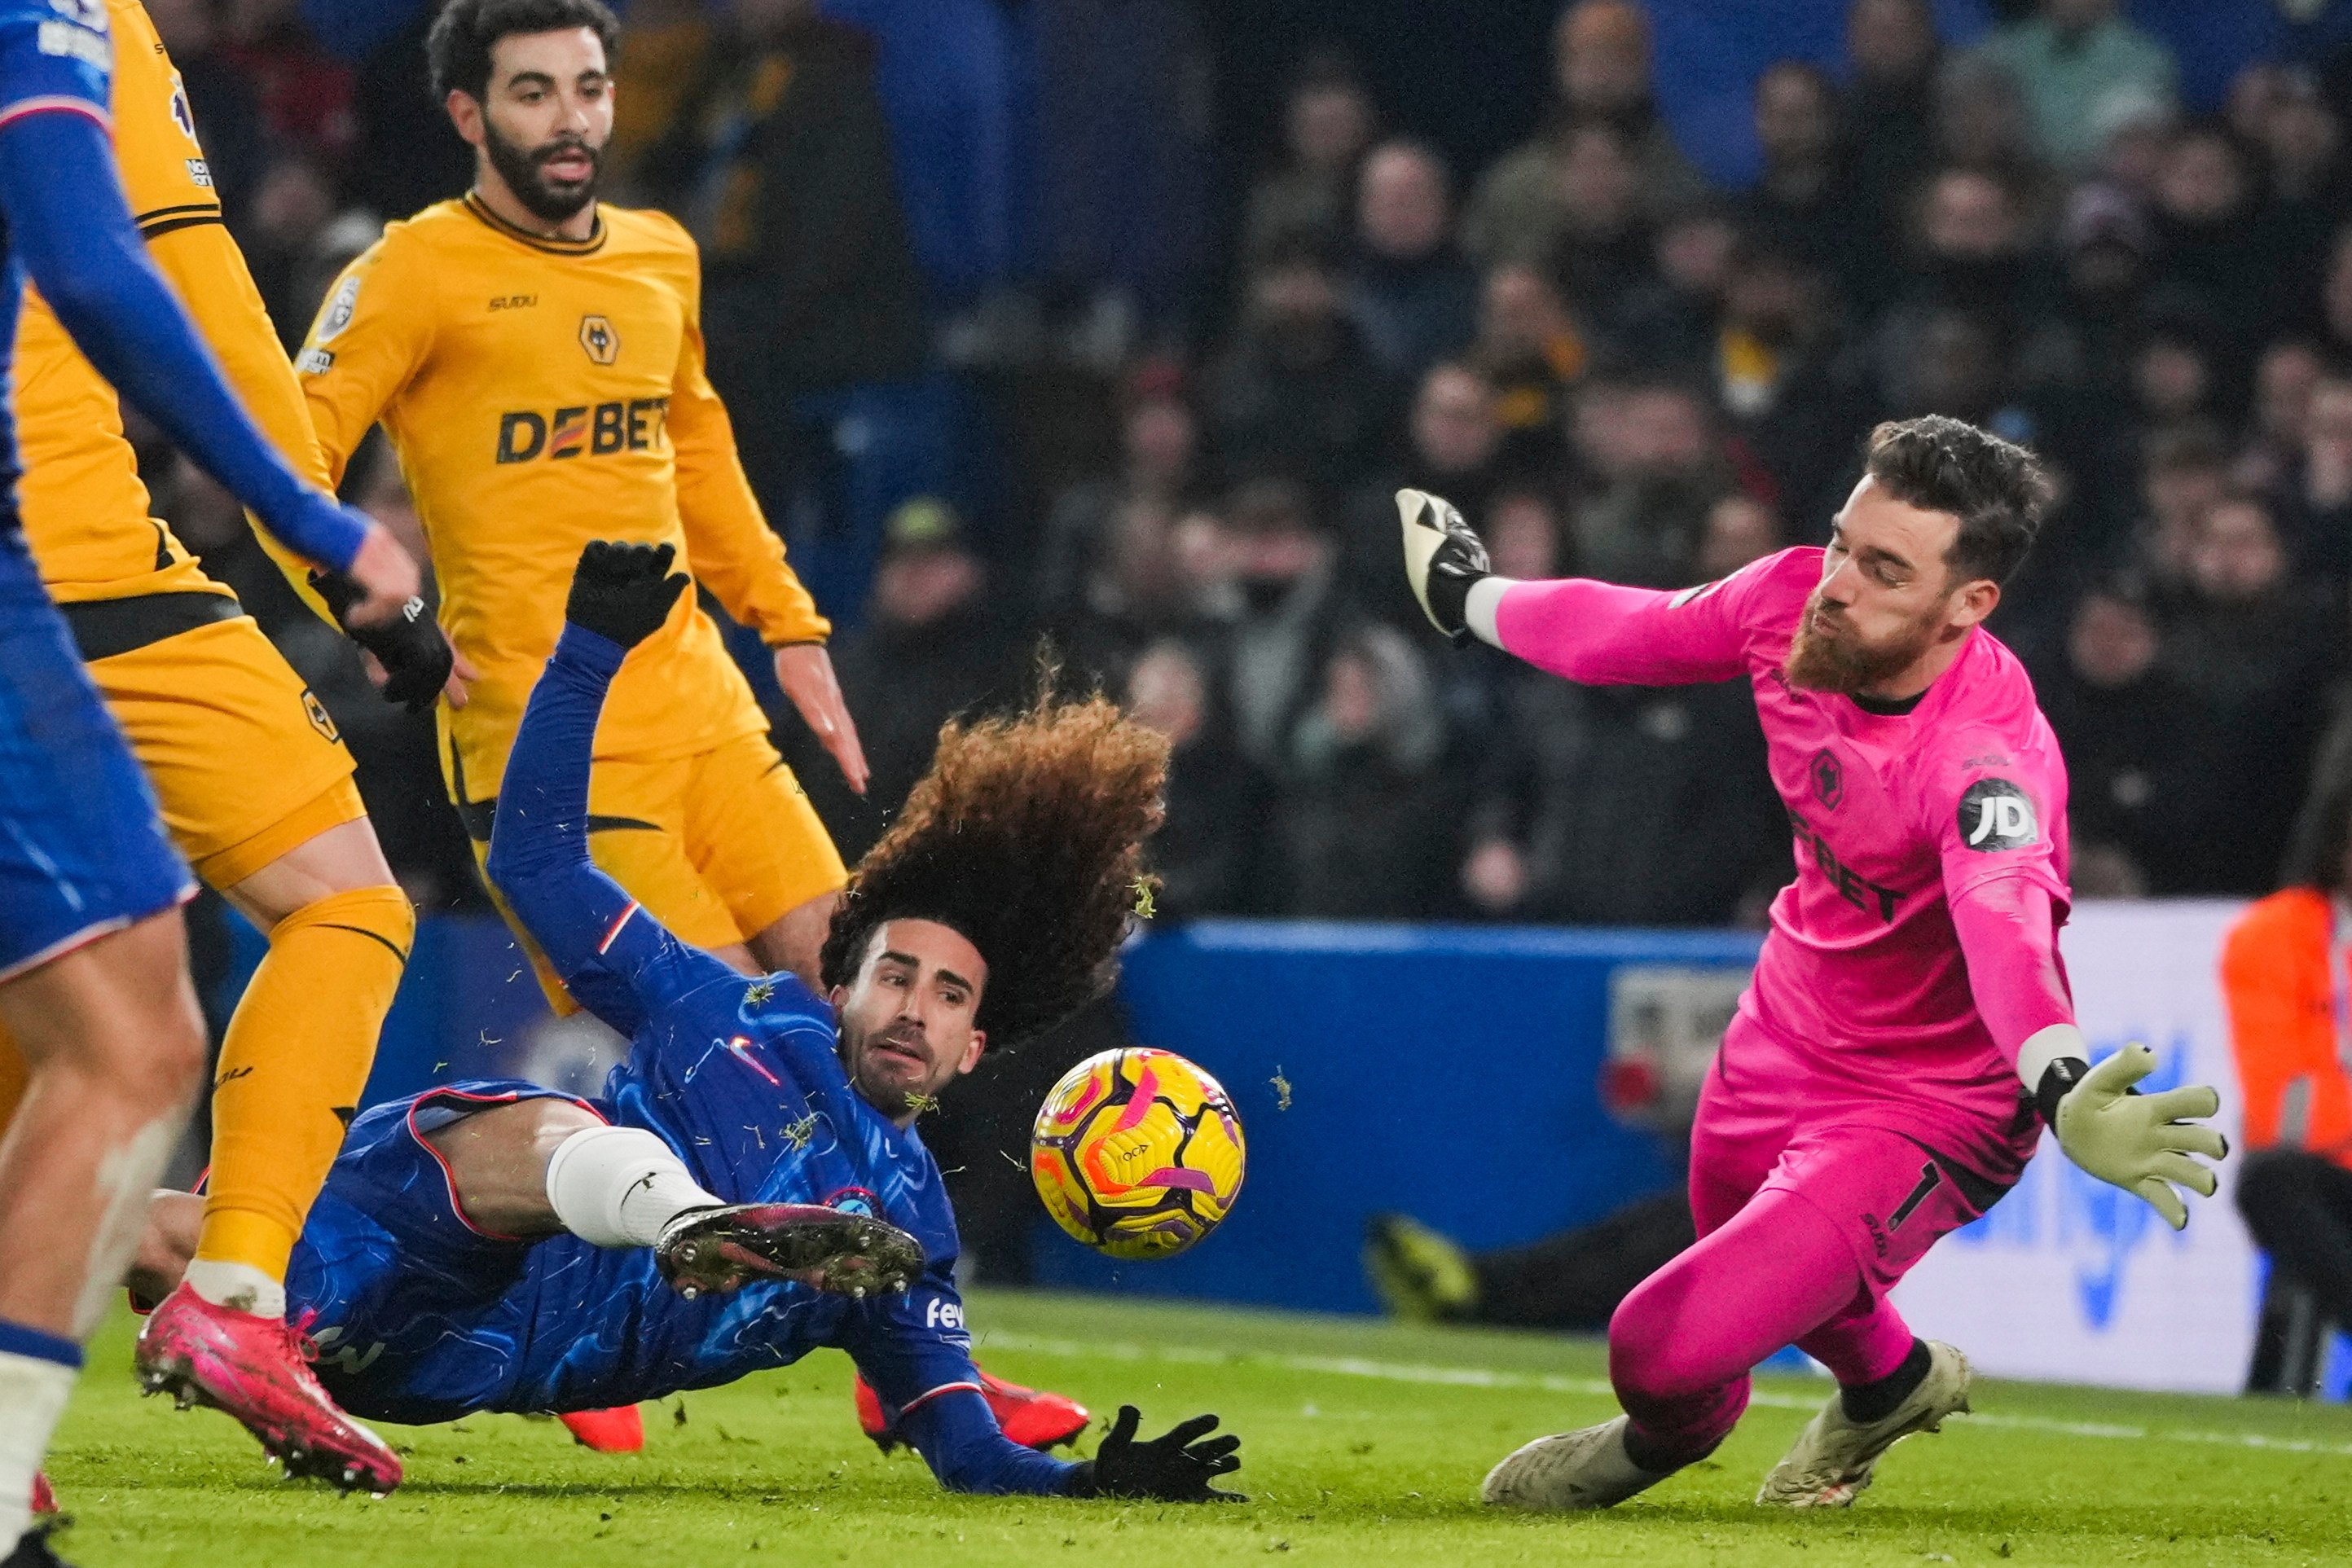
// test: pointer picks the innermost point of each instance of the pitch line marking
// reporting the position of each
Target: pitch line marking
(1487, 1378)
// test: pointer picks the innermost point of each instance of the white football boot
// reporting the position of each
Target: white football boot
(1833, 1456)
(1589, 1468)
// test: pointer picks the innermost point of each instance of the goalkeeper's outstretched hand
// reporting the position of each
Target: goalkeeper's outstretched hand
(2140, 1143)
(1177, 1468)
(623, 591)
(1442, 559)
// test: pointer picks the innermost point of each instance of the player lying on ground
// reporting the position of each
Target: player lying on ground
(1909, 1014)
(499, 1246)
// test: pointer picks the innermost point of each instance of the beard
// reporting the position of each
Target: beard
(1842, 662)
(524, 171)
(883, 1081)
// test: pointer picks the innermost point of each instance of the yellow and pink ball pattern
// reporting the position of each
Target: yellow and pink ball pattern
(1138, 1152)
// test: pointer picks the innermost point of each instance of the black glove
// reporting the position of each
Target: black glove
(1177, 1468)
(415, 657)
(623, 591)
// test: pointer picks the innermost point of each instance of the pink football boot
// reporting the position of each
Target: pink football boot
(257, 1370)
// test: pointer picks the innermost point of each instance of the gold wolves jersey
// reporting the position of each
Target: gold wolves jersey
(85, 511)
(541, 393)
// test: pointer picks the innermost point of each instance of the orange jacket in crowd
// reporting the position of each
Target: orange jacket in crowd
(2282, 973)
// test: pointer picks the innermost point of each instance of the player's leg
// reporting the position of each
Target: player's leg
(1893, 1200)
(298, 1049)
(254, 785)
(759, 845)
(114, 1042)
(542, 1165)
(1736, 1142)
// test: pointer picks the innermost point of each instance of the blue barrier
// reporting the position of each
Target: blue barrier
(1448, 1071)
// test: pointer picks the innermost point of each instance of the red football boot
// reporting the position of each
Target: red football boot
(257, 1370)
(1033, 1417)
(44, 1501)
(719, 1250)
(620, 1430)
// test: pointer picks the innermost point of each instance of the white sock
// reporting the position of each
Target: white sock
(240, 1287)
(619, 1187)
(1483, 605)
(33, 1394)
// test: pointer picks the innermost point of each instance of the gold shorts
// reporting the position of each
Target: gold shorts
(718, 845)
(245, 762)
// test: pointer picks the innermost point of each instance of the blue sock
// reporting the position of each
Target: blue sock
(15, 1339)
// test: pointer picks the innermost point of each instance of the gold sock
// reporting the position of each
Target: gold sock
(292, 1066)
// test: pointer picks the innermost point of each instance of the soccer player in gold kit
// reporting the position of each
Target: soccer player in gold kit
(253, 782)
(537, 358)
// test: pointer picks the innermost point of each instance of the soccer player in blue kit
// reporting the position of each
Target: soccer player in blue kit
(750, 1186)
(93, 975)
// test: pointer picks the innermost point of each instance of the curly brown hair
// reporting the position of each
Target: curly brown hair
(1026, 836)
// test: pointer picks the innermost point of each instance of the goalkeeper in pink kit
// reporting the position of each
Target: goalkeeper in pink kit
(1909, 1031)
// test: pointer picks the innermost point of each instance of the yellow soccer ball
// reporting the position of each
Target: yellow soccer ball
(1136, 1153)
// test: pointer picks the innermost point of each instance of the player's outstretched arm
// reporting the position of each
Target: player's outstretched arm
(1600, 633)
(1176, 1466)
(73, 229)
(959, 1440)
(2141, 1143)
(614, 957)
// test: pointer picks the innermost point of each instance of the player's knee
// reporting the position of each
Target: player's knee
(1653, 1356)
(176, 1052)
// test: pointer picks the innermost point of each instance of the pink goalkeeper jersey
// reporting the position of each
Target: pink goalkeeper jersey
(1894, 817)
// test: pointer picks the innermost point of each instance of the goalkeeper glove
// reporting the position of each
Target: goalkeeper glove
(415, 657)
(1177, 1468)
(2140, 1143)
(1443, 560)
(623, 591)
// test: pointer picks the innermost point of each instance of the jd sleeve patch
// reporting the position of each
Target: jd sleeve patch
(1996, 815)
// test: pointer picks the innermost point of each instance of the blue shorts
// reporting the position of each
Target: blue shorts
(418, 1313)
(83, 848)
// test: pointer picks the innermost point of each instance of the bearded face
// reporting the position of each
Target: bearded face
(1832, 654)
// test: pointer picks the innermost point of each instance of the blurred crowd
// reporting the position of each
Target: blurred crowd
(1150, 410)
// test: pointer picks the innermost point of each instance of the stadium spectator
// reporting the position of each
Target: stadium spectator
(1327, 124)
(1411, 292)
(1533, 350)
(1454, 441)
(2117, 714)
(2208, 238)
(1655, 454)
(1601, 75)
(1297, 393)
(935, 644)
(1809, 196)
(2248, 647)
(1208, 853)
(2075, 60)
(1890, 102)
(1983, 124)
(2320, 481)
(1159, 463)
(1362, 791)
(1280, 561)
(1602, 255)
(779, 163)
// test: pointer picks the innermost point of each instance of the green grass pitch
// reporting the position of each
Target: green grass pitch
(1364, 1443)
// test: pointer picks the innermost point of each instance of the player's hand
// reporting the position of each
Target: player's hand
(804, 670)
(623, 591)
(1442, 559)
(411, 662)
(384, 579)
(1177, 1468)
(2140, 1143)
(456, 690)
